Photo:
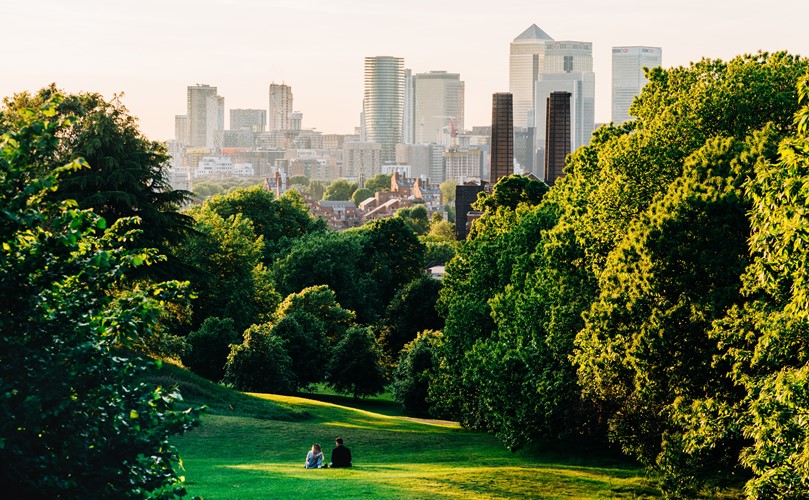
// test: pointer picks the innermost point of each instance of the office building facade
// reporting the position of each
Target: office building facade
(439, 107)
(628, 77)
(254, 120)
(526, 62)
(557, 135)
(502, 152)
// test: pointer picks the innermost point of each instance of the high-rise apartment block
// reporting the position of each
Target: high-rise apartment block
(206, 115)
(439, 110)
(628, 77)
(502, 163)
(254, 120)
(383, 103)
(181, 129)
(280, 106)
(361, 160)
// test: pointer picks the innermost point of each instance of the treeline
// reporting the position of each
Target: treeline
(657, 295)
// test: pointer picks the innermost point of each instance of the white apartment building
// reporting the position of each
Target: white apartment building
(439, 107)
(280, 106)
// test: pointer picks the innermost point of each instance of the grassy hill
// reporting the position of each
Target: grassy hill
(253, 446)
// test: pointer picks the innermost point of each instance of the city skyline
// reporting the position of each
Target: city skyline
(154, 51)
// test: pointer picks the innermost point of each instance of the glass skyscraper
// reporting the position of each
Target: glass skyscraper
(628, 78)
(383, 103)
(526, 62)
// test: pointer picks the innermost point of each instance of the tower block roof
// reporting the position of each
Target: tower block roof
(533, 33)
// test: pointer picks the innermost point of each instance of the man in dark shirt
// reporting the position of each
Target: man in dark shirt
(340, 456)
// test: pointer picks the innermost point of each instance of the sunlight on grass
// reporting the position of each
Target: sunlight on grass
(236, 457)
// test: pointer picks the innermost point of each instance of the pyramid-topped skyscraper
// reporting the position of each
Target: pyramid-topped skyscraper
(526, 62)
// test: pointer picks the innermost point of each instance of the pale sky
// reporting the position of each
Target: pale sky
(153, 49)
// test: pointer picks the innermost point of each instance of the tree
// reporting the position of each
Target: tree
(316, 190)
(208, 347)
(418, 362)
(339, 190)
(356, 364)
(416, 218)
(75, 418)
(361, 195)
(126, 174)
(278, 220)
(379, 182)
(260, 363)
(392, 256)
(299, 180)
(230, 281)
(305, 342)
(448, 191)
(412, 310)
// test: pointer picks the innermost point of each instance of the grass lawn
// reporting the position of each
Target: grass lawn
(240, 451)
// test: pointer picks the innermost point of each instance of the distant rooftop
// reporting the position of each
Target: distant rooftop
(533, 33)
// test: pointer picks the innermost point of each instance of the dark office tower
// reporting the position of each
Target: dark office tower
(465, 195)
(502, 136)
(557, 135)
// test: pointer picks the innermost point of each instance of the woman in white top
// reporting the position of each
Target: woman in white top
(314, 459)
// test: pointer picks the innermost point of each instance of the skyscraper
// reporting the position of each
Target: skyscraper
(383, 103)
(557, 135)
(254, 120)
(502, 136)
(581, 86)
(280, 106)
(202, 101)
(408, 116)
(526, 62)
(628, 78)
(439, 106)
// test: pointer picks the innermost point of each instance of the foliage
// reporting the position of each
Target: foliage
(416, 218)
(298, 180)
(74, 419)
(379, 182)
(260, 363)
(411, 311)
(126, 174)
(230, 279)
(511, 191)
(361, 195)
(316, 190)
(339, 190)
(448, 191)
(279, 221)
(418, 362)
(438, 253)
(356, 364)
(208, 347)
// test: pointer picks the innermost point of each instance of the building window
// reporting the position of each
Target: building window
(568, 64)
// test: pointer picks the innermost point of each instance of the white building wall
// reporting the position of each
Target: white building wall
(628, 77)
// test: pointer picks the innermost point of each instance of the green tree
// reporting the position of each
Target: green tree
(127, 174)
(361, 195)
(316, 190)
(279, 221)
(230, 281)
(339, 190)
(412, 310)
(416, 218)
(260, 363)
(208, 347)
(448, 191)
(418, 362)
(75, 419)
(356, 364)
(320, 303)
(379, 182)
(299, 180)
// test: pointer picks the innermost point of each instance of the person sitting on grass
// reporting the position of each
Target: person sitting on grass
(340, 456)
(314, 459)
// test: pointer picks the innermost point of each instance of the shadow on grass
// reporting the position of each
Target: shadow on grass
(376, 405)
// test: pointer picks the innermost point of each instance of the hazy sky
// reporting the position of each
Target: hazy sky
(153, 49)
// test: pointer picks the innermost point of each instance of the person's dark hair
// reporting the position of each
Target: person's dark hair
(339, 440)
